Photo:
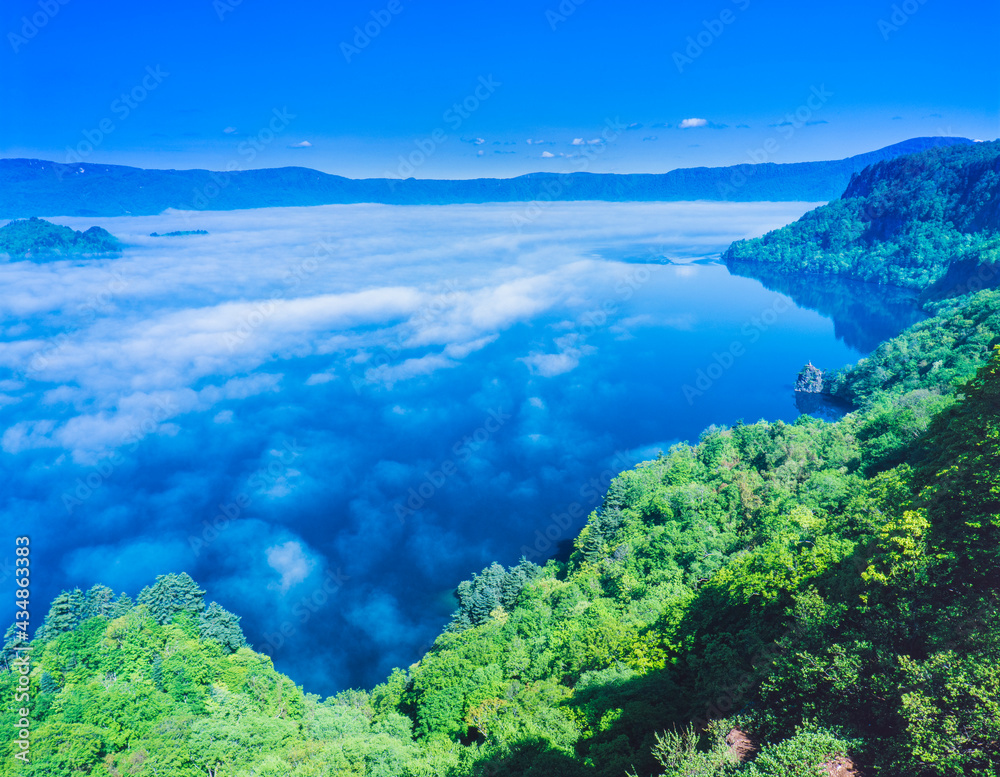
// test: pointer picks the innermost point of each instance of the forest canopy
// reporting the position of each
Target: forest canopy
(38, 238)
(906, 222)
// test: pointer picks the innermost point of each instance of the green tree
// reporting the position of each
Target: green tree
(172, 595)
(219, 625)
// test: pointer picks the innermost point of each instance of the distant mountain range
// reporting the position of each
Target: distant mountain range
(33, 187)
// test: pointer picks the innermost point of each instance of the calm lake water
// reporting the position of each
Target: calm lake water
(330, 416)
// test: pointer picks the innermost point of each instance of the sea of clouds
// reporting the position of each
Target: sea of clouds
(330, 416)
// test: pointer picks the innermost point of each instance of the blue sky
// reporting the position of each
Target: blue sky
(560, 71)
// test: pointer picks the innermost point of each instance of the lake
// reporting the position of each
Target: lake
(330, 416)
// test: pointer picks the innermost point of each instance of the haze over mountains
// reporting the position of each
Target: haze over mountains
(32, 187)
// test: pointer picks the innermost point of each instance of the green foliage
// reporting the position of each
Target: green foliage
(219, 625)
(801, 755)
(935, 355)
(38, 238)
(172, 595)
(960, 481)
(495, 587)
(914, 221)
(64, 613)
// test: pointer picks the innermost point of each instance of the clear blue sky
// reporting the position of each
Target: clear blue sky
(559, 72)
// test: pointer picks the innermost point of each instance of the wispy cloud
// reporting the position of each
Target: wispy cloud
(290, 561)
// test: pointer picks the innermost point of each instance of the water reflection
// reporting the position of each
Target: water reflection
(863, 314)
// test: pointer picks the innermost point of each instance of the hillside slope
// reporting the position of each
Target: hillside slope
(41, 240)
(927, 221)
(783, 587)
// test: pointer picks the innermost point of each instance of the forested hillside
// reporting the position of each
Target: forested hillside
(43, 240)
(905, 221)
(774, 600)
(809, 591)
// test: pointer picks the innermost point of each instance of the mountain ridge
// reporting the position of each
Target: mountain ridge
(32, 187)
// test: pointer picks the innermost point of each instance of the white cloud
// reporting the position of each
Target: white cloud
(229, 130)
(319, 378)
(390, 374)
(223, 417)
(301, 144)
(289, 561)
(181, 327)
(689, 123)
(25, 435)
(547, 155)
(461, 350)
(548, 365)
(578, 141)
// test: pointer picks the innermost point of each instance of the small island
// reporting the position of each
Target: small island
(37, 238)
(180, 233)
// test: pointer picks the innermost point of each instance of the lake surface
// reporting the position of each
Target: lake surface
(330, 416)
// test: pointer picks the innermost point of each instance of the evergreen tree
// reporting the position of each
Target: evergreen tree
(47, 684)
(172, 595)
(219, 625)
(98, 602)
(64, 615)
(121, 606)
(11, 641)
(493, 587)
